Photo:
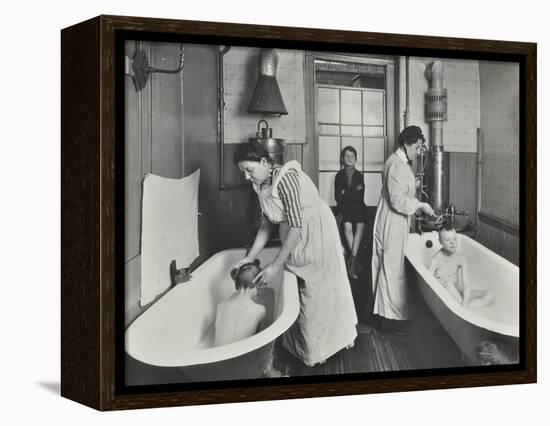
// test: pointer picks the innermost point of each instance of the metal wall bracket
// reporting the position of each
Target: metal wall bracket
(139, 69)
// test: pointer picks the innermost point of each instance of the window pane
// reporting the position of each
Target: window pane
(327, 129)
(351, 107)
(356, 143)
(373, 107)
(351, 130)
(373, 131)
(329, 106)
(329, 153)
(373, 188)
(326, 187)
(374, 154)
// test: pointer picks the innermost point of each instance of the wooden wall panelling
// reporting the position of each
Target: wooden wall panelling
(166, 112)
(132, 162)
(201, 138)
(294, 152)
(462, 183)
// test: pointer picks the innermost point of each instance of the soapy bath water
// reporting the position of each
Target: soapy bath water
(500, 309)
(497, 310)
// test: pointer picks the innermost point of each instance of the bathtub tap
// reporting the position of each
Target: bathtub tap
(424, 223)
(181, 275)
(451, 211)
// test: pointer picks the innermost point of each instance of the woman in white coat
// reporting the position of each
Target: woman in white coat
(391, 228)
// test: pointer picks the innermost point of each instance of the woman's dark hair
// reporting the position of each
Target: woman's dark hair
(410, 135)
(251, 151)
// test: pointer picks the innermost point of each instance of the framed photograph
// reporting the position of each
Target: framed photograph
(254, 212)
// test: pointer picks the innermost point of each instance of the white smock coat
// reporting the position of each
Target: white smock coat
(391, 230)
(327, 318)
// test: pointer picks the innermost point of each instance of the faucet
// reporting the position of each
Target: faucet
(178, 275)
(418, 220)
(451, 212)
(181, 275)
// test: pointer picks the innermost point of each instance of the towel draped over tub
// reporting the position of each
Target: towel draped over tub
(327, 318)
(169, 230)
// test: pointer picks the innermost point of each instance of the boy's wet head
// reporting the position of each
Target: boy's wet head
(447, 237)
(244, 275)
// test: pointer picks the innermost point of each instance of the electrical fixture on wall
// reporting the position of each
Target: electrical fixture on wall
(267, 97)
(139, 69)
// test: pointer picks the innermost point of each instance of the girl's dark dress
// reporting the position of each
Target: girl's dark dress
(349, 199)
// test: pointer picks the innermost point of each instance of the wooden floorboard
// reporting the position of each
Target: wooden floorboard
(420, 344)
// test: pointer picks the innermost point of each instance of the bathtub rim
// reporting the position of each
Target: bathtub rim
(451, 303)
(289, 293)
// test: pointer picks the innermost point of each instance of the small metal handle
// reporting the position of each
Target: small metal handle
(178, 275)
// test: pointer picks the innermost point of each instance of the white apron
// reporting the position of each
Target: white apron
(327, 318)
(397, 203)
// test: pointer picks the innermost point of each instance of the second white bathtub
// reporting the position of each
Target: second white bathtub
(468, 327)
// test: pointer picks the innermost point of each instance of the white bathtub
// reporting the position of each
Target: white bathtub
(172, 341)
(498, 322)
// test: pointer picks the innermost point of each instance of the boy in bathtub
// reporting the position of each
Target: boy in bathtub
(449, 266)
(239, 316)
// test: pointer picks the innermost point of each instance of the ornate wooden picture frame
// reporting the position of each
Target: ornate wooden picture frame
(103, 57)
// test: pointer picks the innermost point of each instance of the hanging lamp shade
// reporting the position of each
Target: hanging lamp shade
(267, 95)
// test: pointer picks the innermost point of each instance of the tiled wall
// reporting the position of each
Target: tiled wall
(503, 243)
(499, 84)
(500, 136)
(463, 181)
(240, 76)
(461, 79)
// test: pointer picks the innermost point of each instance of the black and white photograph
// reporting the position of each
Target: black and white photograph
(275, 214)
(300, 213)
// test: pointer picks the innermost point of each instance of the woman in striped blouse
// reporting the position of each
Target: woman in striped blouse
(310, 249)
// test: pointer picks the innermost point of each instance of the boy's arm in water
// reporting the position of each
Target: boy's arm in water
(463, 276)
(434, 263)
(455, 293)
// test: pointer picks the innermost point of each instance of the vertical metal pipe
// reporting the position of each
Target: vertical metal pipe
(479, 171)
(437, 113)
(440, 179)
(407, 112)
(221, 118)
(435, 103)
